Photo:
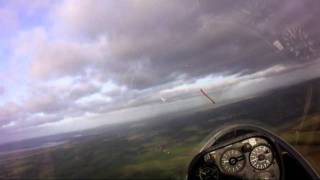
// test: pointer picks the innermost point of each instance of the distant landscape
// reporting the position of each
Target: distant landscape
(164, 146)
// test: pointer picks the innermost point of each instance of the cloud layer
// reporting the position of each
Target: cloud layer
(93, 59)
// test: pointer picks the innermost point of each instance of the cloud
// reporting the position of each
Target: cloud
(2, 91)
(96, 98)
(46, 104)
(8, 21)
(10, 124)
(58, 58)
(37, 119)
(151, 42)
(89, 59)
(10, 112)
(28, 8)
(143, 44)
(83, 89)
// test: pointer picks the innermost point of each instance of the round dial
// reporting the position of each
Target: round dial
(232, 161)
(261, 157)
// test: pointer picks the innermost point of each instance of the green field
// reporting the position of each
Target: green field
(163, 154)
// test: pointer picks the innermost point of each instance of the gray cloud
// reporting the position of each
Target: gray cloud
(46, 104)
(82, 88)
(103, 57)
(152, 42)
(10, 112)
(2, 90)
(8, 21)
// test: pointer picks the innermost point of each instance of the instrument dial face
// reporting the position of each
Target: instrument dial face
(232, 161)
(261, 157)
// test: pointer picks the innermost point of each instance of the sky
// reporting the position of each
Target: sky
(69, 65)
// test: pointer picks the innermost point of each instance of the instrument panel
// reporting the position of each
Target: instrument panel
(251, 158)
